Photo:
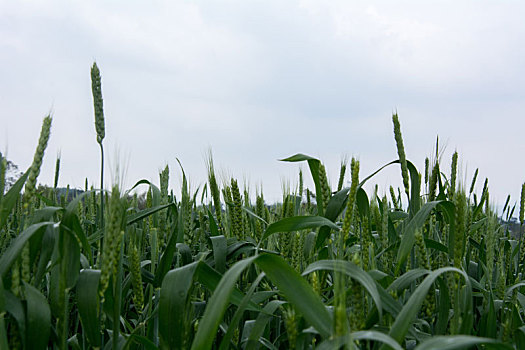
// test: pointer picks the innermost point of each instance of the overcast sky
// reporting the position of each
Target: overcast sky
(261, 80)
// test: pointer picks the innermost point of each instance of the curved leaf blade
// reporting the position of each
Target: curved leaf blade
(38, 318)
(353, 271)
(172, 306)
(452, 342)
(88, 304)
(297, 223)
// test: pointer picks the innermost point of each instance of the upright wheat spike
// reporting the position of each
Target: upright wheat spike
(453, 175)
(490, 242)
(522, 212)
(342, 173)
(427, 170)
(473, 182)
(326, 193)
(112, 240)
(460, 221)
(401, 152)
(96, 89)
(30, 188)
(215, 192)
(237, 226)
(136, 277)
(34, 171)
(354, 168)
(301, 184)
(3, 167)
(164, 178)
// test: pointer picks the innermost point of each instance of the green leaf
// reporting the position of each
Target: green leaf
(38, 318)
(219, 252)
(3, 335)
(299, 157)
(444, 307)
(14, 307)
(336, 204)
(297, 223)
(225, 343)
(45, 249)
(352, 270)
(214, 228)
(362, 202)
(45, 214)
(70, 223)
(416, 222)
(451, 342)
(432, 244)
(146, 212)
(409, 311)
(10, 198)
(141, 340)
(3, 331)
(333, 209)
(167, 256)
(415, 187)
(406, 280)
(211, 278)
(173, 306)
(2, 298)
(88, 304)
(216, 306)
(69, 255)
(290, 283)
(297, 291)
(260, 323)
(360, 335)
(313, 164)
(11, 254)
(185, 253)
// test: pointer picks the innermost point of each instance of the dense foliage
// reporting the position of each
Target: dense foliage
(430, 266)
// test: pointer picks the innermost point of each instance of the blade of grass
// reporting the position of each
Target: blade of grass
(38, 318)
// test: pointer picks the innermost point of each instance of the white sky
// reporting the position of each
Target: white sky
(261, 80)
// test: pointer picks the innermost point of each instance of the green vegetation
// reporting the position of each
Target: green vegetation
(429, 267)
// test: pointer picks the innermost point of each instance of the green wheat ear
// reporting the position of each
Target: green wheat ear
(354, 168)
(401, 151)
(34, 171)
(522, 203)
(112, 239)
(453, 174)
(96, 88)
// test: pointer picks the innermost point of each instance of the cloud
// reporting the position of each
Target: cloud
(260, 81)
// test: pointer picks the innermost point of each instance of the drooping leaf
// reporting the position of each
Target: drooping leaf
(10, 198)
(419, 219)
(409, 311)
(313, 164)
(297, 223)
(173, 306)
(88, 304)
(38, 318)
(12, 253)
(452, 342)
(353, 271)
(219, 252)
(260, 323)
(336, 343)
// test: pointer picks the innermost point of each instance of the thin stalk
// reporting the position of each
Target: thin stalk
(62, 321)
(117, 292)
(101, 194)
